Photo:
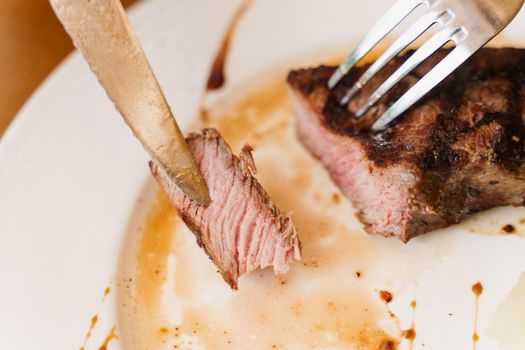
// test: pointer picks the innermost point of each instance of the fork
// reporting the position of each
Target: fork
(469, 24)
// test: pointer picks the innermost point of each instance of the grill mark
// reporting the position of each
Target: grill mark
(439, 158)
(449, 161)
(513, 157)
(383, 148)
(445, 165)
(508, 152)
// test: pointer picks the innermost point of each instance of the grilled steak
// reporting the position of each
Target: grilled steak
(458, 151)
(241, 230)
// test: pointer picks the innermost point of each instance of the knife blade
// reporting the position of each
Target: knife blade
(102, 33)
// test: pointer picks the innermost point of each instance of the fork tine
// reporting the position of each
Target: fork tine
(415, 31)
(432, 45)
(400, 10)
(452, 61)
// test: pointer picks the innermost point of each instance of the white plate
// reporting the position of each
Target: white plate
(72, 178)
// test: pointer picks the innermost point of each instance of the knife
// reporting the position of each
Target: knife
(102, 33)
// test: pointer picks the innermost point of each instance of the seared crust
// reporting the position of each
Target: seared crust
(464, 141)
(488, 87)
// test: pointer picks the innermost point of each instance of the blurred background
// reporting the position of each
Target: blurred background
(32, 44)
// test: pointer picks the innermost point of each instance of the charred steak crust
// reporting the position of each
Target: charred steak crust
(241, 230)
(462, 145)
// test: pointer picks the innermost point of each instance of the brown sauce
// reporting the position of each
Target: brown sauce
(153, 251)
(150, 276)
(217, 76)
(477, 289)
(492, 222)
(410, 334)
(111, 335)
(92, 325)
(106, 293)
(340, 263)
(349, 319)
(94, 319)
(350, 314)
(257, 118)
(388, 345)
(385, 295)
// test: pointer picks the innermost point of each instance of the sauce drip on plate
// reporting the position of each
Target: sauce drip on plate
(94, 319)
(217, 75)
(111, 335)
(410, 334)
(477, 289)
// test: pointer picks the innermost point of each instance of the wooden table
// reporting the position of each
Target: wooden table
(32, 43)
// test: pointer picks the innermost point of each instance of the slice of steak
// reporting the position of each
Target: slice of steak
(458, 151)
(241, 230)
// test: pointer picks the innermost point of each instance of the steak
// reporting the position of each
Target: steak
(458, 151)
(241, 230)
